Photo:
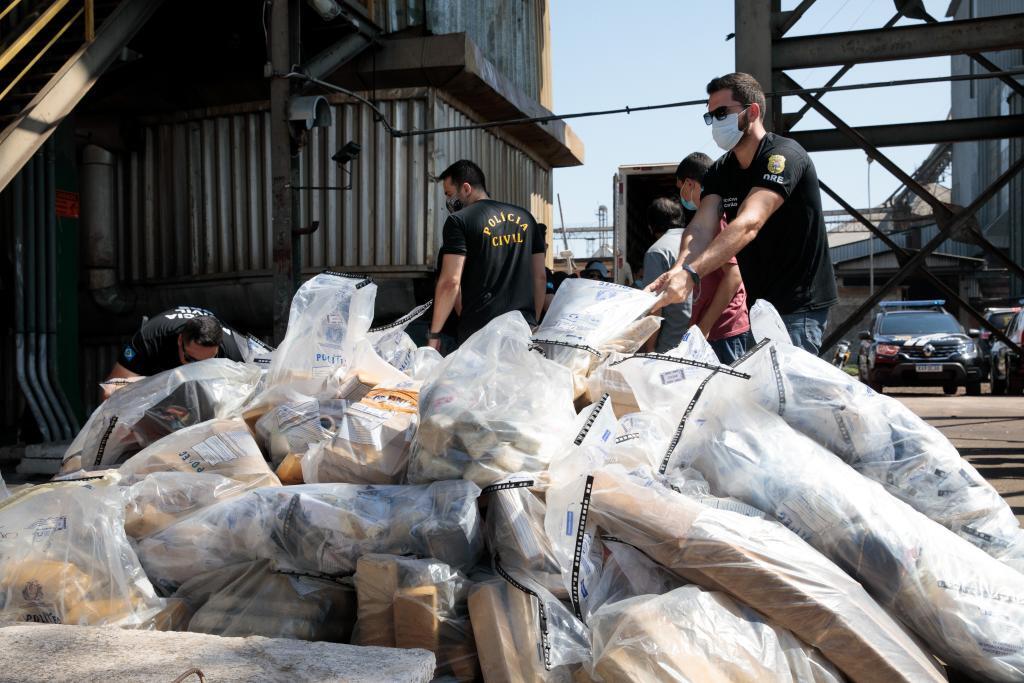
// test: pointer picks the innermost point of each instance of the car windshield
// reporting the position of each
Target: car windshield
(1001, 320)
(919, 323)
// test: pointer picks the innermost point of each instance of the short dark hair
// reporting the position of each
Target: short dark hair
(663, 214)
(745, 88)
(465, 171)
(693, 167)
(204, 330)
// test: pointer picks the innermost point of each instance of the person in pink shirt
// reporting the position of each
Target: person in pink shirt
(720, 303)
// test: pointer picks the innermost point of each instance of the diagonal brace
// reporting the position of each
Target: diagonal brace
(948, 291)
(918, 259)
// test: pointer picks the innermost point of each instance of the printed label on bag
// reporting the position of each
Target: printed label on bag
(221, 448)
(672, 376)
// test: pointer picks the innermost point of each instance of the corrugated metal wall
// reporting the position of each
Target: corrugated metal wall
(506, 31)
(196, 195)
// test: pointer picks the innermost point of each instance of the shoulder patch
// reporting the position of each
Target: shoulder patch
(129, 353)
(776, 163)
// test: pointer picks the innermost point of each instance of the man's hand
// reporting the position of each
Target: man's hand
(434, 344)
(673, 286)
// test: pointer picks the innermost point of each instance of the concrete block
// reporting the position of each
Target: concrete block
(34, 653)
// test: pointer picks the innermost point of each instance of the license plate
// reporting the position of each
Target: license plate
(928, 368)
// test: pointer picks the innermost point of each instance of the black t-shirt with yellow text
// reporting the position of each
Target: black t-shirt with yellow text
(788, 262)
(498, 241)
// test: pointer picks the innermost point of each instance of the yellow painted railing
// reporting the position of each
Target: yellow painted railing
(46, 22)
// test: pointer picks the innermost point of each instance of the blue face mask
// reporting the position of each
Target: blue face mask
(687, 204)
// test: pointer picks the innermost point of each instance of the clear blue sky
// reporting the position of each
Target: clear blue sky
(610, 54)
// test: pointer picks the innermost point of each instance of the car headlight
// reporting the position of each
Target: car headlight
(887, 350)
(969, 349)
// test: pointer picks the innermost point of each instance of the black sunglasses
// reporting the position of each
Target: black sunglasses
(720, 113)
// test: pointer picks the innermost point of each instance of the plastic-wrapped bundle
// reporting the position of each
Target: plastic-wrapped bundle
(583, 317)
(224, 447)
(156, 406)
(393, 344)
(492, 408)
(163, 498)
(329, 314)
(694, 635)
(966, 605)
(253, 599)
(65, 559)
(524, 634)
(763, 565)
(407, 602)
(628, 573)
(319, 528)
(883, 440)
(290, 428)
(514, 531)
(607, 378)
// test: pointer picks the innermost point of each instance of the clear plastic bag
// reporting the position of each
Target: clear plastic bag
(319, 528)
(883, 440)
(492, 408)
(408, 603)
(690, 634)
(966, 605)
(628, 573)
(150, 409)
(291, 428)
(65, 559)
(253, 599)
(514, 531)
(393, 344)
(583, 317)
(524, 634)
(329, 314)
(161, 499)
(763, 565)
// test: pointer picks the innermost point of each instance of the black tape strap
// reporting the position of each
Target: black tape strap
(505, 486)
(724, 369)
(677, 437)
(363, 280)
(542, 614)
(591, 418)
(581, 347)
(577, 556)
(405, 319)
(103, 441)
(628, 437)
(259, 342)
(311, 575)
(754, 349)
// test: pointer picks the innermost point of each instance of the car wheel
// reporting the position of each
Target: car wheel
(974, 389)
(998, 385)
(949, 389)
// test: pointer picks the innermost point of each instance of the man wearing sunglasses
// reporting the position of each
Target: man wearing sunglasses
(766, 187)
(171, 339)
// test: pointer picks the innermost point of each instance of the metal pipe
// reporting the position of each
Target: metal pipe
(21, 196)
(98, 211)
(44, 207)
(64, 411)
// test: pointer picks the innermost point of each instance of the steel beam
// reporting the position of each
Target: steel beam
(989, 34)
(923, 133)
(918, 259)
(786, 20)
(754, 47)
(904, 255)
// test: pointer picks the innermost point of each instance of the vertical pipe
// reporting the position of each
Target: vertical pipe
(69, 423)
(21, 219)
(44, 207)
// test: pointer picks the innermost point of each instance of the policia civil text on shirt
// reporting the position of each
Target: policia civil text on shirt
(767, 188)
(492, 257)
(171, 339)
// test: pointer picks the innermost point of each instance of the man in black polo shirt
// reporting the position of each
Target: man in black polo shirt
(492, 257)
(767, 189)
(173, 338)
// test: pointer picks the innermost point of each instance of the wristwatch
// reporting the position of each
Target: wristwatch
(693, 274)
(433, 335)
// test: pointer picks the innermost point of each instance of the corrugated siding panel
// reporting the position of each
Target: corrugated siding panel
(197, 193)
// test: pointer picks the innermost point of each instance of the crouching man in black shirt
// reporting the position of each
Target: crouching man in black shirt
(171, 339)
(492, 257)
(767, 189)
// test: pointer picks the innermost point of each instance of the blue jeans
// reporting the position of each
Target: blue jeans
(731, 349)
(806, 329)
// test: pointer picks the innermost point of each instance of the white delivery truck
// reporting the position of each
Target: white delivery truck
(636, 186)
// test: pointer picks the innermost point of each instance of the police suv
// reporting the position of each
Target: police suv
(919, 343)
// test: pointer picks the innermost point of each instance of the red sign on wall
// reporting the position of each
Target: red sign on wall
(67, 204)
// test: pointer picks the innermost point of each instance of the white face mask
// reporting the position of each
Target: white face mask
(726, 132)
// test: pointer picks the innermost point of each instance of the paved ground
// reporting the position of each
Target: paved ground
(988, 431)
